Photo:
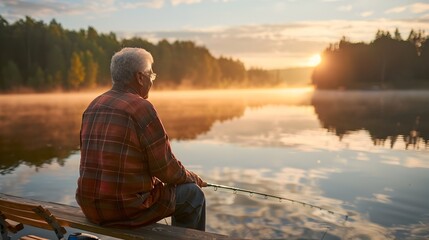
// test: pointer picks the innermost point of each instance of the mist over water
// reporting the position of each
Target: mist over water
(364, 154)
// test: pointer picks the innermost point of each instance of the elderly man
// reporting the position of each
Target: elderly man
(129, 176)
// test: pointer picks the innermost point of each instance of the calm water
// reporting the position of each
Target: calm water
(364, 154)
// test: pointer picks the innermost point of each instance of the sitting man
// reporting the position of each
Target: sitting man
(129, 176)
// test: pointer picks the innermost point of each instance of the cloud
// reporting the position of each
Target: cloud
(177, 2)
(367, 13)
(256, 45)
(280, 45)
(396, 9)
(15, 9)
(345, 8)
(156, 4)
(419, 7)
(415, 8)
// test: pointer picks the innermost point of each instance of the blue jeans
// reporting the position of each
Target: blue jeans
(190, 207)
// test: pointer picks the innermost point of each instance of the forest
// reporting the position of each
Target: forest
(388, 62)
(40, 57)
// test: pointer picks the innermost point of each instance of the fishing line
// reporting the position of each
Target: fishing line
(266, 196)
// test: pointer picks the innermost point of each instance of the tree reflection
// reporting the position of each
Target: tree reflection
(387, 116)
(41, 129)
(37, 130)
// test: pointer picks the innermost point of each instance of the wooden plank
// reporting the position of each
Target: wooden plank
(28, 221)
(13, 226)
(154, 231)
(19, 212)
(71, 216)
(31, 214)
(17, 205)
(32, 237)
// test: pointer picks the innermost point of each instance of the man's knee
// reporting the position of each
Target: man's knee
(190, 207)
(190, 193)
(196, 191)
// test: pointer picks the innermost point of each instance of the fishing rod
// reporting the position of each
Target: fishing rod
(265, 195)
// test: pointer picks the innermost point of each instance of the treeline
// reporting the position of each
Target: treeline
(389, 61)
(389, 117)
(44, 57)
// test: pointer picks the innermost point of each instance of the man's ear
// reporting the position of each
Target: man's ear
(141, 82)
(138, 78)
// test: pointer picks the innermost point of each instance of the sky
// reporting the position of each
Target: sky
(267, 34)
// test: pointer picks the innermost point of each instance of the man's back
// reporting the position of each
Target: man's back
(115, 183)
(129, 175)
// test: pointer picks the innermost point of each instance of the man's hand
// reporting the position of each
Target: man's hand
(203, 184)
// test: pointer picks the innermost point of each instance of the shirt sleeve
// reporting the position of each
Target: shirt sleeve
(162, 162)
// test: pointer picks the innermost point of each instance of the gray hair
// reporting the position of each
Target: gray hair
(127, 62)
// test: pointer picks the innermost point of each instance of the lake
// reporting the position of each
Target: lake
(360, 154)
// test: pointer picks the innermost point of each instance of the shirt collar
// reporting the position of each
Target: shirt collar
(124, 88)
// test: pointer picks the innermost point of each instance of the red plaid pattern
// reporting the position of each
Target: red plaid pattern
(127, 170)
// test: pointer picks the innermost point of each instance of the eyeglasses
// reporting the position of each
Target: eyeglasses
(151, 75)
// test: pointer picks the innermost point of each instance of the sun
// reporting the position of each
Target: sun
(314, 60)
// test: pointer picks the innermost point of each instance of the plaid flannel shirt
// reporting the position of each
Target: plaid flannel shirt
(127, 170)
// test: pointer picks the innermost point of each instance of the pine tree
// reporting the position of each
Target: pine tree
(11, 76)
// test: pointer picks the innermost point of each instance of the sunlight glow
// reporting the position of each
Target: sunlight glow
(314, 60)
(298, 90)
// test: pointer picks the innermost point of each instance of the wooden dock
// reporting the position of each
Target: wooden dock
(16, 212)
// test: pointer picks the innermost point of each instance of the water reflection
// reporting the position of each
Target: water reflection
(387, 116)
(44, 128)
(324, 148)
(38, 129)
(382, 200)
